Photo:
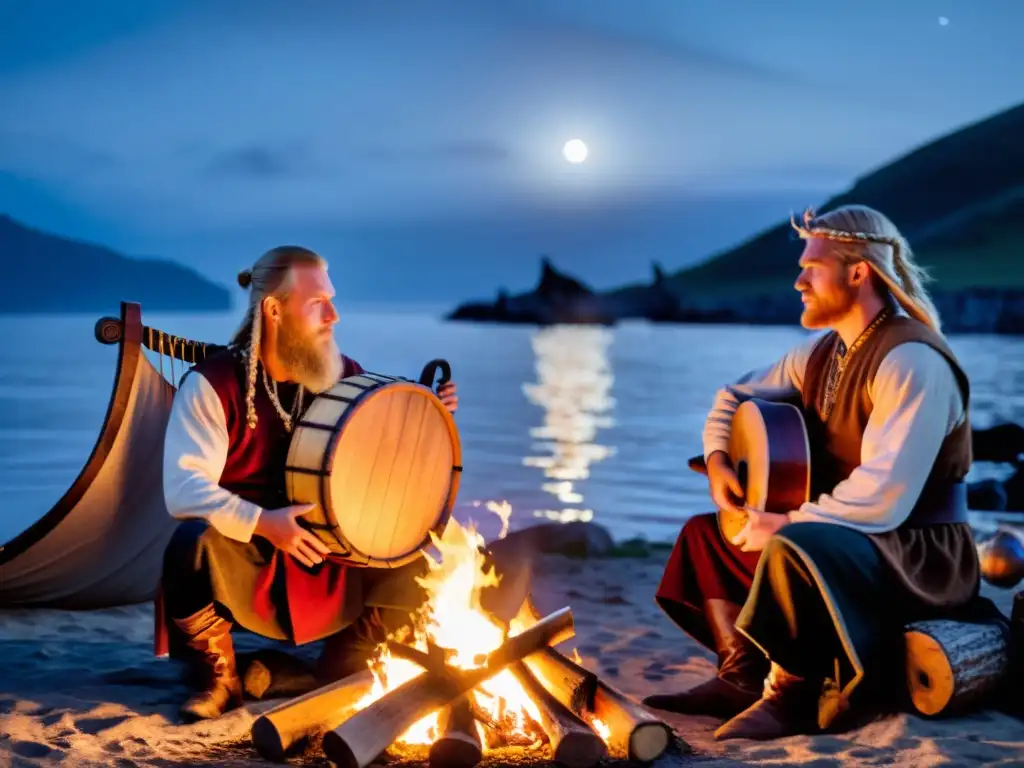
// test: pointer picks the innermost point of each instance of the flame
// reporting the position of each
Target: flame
(453, 620)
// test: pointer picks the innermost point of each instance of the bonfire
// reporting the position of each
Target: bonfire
(462, 684)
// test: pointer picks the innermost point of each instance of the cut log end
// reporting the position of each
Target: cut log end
(339, 752)
(648, 742)
(268, 742)
(929, 673)
(579, 749)
(456, 750)
(459, 745)
(952, 665)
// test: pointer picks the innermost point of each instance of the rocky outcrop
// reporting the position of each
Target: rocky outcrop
(561, 298)
(557, 298)
(971, 310)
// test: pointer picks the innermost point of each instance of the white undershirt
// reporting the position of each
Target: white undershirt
(916, 404)
(195, 452)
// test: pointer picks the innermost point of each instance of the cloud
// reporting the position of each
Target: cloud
(257, 162)
(459, 151)
(22, 150)
(226, 114)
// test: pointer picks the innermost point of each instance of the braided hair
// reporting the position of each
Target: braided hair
(868, 235)
(270, 276)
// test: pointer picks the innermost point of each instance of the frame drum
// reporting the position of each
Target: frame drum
(380, 457)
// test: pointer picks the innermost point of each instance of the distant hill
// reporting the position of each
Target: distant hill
(959, 200)
(58, 274)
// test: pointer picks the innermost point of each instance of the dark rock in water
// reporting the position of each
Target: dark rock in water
(558, 298)
(574, 539)
(999, 444)
(1002, 443)
(986, 495)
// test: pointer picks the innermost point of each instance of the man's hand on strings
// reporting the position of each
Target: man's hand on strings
(726, 491)
(760, 527)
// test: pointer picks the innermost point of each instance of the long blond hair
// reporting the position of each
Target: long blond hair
(866, 234)
(270, 276)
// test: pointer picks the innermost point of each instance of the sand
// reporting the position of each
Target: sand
(83, 688)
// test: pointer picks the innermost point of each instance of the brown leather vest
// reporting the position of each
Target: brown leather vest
(836, 442)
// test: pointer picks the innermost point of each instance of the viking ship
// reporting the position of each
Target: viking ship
(101, 545)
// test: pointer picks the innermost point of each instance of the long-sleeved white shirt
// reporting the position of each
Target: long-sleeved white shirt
(195, 453)
(916, 404)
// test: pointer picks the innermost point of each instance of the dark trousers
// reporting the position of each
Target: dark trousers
(201, 567)
(820, 600)
(703, 566)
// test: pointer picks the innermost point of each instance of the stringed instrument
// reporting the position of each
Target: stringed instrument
(771, 454)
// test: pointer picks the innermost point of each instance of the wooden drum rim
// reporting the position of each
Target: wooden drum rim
(356, 557)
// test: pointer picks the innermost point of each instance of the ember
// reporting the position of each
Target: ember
(464, 684)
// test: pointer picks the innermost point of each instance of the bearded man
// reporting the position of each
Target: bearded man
(803, 607)
(240, 555)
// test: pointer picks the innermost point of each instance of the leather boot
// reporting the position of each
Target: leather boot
(351, 650)
(741, 671)
(208, 636)
(788, 706)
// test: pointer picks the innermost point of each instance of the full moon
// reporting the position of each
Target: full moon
(575, 151)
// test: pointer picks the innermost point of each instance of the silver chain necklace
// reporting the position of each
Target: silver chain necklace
(288, 419)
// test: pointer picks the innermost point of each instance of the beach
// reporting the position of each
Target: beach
(83, 688)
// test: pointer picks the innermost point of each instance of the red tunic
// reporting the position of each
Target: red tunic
(254, 470)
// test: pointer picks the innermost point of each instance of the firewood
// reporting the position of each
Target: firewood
(953, 665)
(459, 745)
(570, 683)
(356, 742)
(573, 743)
(635, 732)
(278, 729)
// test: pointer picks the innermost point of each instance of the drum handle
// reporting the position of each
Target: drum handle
(430, 371)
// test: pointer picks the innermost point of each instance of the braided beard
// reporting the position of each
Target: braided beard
(313, 361)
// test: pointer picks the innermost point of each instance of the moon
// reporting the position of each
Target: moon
(575, 151)
(943, 21)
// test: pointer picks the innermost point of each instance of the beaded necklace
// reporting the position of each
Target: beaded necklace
(841, 358)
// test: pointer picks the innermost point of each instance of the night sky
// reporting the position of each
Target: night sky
(426, 136)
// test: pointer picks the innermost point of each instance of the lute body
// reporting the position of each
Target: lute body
(770, 451)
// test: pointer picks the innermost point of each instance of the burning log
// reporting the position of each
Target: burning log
(573, 743)
(952, 665)
(356, 742)
(573, 685)
(459, 743)
(633, 731)
(278, 729)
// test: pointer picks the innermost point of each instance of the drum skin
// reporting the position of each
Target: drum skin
(380, 457)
